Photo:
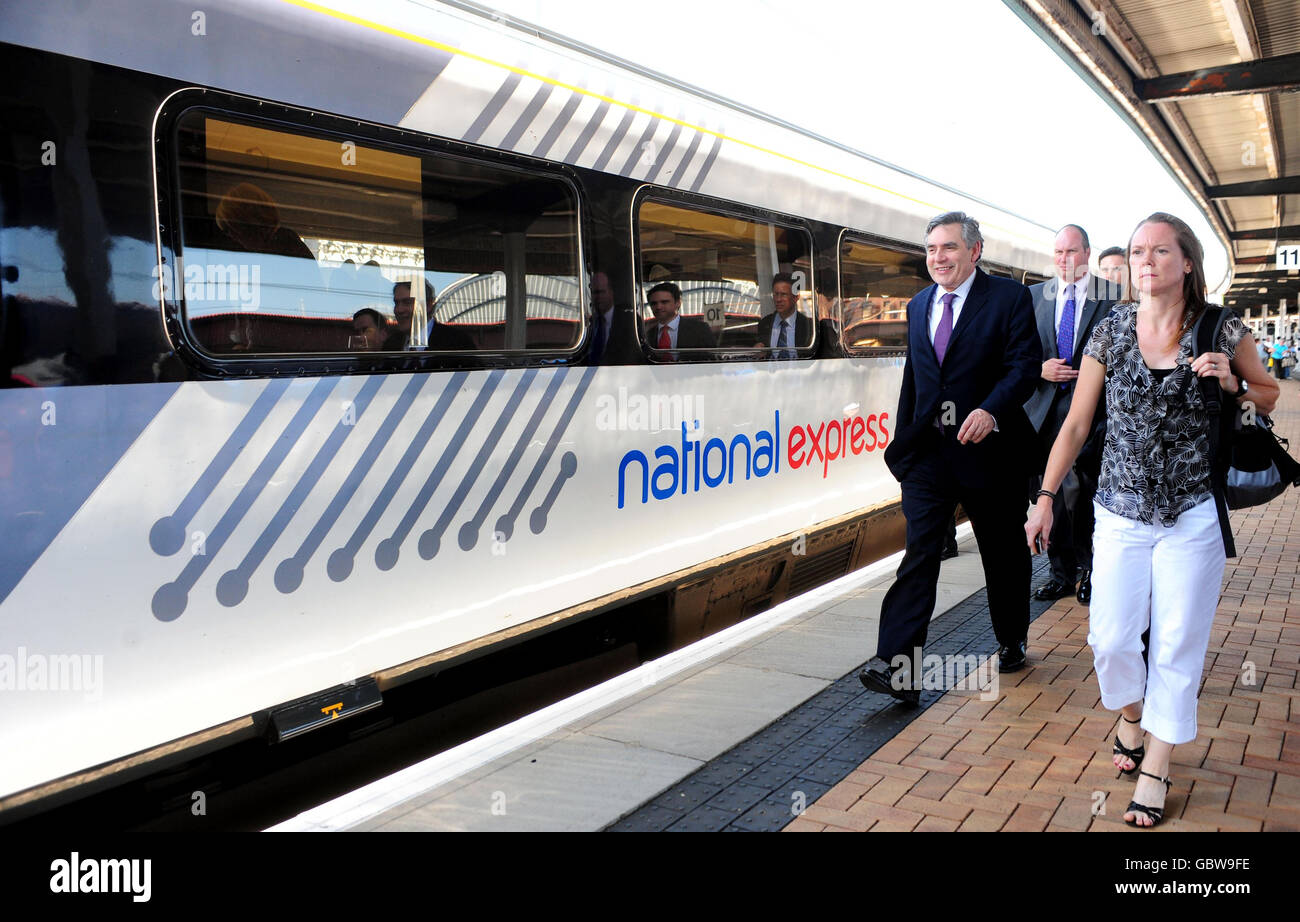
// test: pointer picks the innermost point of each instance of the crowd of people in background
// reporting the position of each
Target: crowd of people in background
(1279, 356)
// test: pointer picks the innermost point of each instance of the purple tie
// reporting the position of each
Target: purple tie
(1065, 335)
(944, 333)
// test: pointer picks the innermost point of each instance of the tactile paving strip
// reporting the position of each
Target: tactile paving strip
(761, 784)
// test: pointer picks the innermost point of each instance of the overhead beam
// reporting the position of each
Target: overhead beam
(1241, 23)
(1286, 185)
(1281, 72)
(1270, 296)
(1291, 232)
(1280, 274)
(1075, 35)
(1256, 281)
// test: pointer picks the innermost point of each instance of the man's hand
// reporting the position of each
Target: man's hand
(1058, 370)
(979, 424)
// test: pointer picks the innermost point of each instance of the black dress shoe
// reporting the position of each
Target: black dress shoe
(1011, 658)
(1084, 595)
(949, 552)
(1053, 589)
(879, 677)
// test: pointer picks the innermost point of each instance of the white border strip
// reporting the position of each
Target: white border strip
(369, 801)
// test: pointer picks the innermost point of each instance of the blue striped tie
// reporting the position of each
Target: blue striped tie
(1065, 335)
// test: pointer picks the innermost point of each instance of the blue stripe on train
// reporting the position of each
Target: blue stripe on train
(56, 446)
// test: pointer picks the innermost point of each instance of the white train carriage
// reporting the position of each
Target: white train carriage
(226, 487)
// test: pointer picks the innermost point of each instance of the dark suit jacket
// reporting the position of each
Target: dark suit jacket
(1102, 296)
(803, 330)
(992, 362)
(692, 333)
(441, 337)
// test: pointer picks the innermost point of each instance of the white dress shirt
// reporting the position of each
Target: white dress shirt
(1081, 286)
(936, 315)
(672, 331)
(789, 330)
(936, 305)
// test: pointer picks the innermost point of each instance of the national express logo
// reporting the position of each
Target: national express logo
(688, 464)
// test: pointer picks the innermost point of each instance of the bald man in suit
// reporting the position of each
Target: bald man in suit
(1066, 308)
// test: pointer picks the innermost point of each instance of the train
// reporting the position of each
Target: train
(327, 362)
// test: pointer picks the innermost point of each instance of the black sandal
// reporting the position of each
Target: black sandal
(1137, 754)
(1154, 814)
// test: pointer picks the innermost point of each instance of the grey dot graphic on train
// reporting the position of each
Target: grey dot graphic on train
(168, 534)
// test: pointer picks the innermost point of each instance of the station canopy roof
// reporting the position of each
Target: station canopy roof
(1215, 87)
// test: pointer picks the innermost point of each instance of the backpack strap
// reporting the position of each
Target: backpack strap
(1204, 337)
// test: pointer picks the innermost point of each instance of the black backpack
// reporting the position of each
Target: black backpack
(1250, 463)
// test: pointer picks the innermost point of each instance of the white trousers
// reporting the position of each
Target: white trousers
(1165, 578)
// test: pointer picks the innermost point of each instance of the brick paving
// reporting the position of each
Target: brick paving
(759, 784)
(1039, 757)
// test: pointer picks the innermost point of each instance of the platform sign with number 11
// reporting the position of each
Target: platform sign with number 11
(1288, 257)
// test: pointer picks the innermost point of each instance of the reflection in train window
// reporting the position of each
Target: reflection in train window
(298, 244)
(875, 285)
(724, 266)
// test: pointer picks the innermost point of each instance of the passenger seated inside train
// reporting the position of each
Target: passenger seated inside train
(669, 329)
(368, 329)
(249, 220)
(785, 328)
(439, 336)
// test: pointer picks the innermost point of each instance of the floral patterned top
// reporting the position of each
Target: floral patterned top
(1156, 462)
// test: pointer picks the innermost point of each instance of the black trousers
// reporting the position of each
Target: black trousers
(997, 514)
(1070, 541)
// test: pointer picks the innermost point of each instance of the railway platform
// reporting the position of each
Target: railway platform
(765, 726)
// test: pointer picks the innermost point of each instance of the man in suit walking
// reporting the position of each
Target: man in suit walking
(962, 436)
(785, 328)
(669, 329)
(1066, 308)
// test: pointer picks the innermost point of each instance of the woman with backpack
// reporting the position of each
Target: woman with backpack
(1159, 552)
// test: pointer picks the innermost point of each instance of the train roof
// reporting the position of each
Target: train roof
(459, 72)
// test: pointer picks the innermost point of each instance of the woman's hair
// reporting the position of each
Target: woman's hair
(1194, 281)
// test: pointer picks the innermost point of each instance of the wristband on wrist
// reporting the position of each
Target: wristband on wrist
(1044, 493)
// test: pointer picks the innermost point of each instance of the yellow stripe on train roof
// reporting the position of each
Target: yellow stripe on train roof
(451, 49)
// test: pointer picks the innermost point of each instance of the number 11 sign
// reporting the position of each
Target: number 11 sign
(1288, 257)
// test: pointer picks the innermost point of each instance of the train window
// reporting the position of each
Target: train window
(733, 274)
(875, 285)
(297, 243)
